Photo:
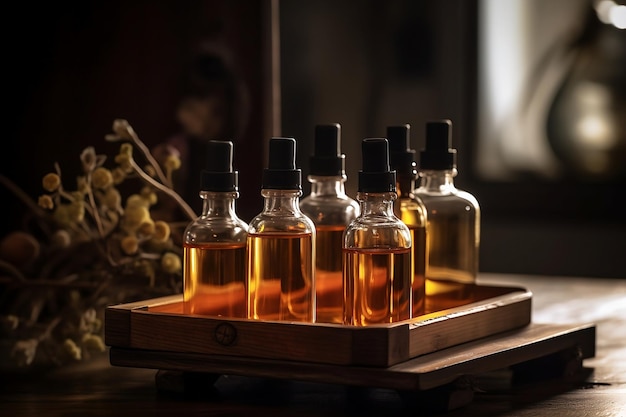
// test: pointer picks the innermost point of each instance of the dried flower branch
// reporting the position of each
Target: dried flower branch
(89, 247)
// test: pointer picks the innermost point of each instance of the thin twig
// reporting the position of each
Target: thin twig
(94, 209)
(170, 192)
(146, 152)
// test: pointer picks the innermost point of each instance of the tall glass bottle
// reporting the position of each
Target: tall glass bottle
(214, 245)
(410, 210)
(453, 221)
(281, 244)
(331, 210)
(378, 261)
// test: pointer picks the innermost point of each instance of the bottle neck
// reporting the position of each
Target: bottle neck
(281, 202)
(218, 204)
(405, 186)
(438, 180)
(376, 204)
(327, 185)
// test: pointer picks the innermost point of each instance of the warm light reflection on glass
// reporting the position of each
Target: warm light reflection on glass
(618, 16)
(595, 128)
(612, 13)
(594, 131)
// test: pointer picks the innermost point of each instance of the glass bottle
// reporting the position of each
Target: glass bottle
(410, 210)
(378, 261)
(331, 210)
(281, 244)
(453, 222)
(214, 245)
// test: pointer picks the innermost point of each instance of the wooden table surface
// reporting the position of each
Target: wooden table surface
(98, 389)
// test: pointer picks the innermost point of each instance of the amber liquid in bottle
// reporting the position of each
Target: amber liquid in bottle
(452, 263)
(452, 222)
(280, 290)
(411, 213)
(376, 282)
(328, 274)
(219, 289)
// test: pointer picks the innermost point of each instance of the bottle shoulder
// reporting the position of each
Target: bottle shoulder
(213, 230)
(452, 197)
(377, 232)
(266, 223)
(330, 211)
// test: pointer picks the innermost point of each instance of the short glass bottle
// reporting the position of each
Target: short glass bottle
(281, 244)
(331, 210)
(214, 244)
(453, 222)
(410, 210)
(377, 247)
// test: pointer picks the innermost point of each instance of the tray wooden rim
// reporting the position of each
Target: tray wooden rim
(133, 325)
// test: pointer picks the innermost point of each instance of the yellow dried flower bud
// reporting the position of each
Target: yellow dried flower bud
(62, 215)
(45, 202)
(161, 231)
(88, 159)
(149, 195)
(51, 182)
(172, 162)
(119, 175)
(72, 349)
(112, 199)
(134, 217)
(126, 149)
(136, 200)
(101, 178)
(122, 128)
(170, 262)
(130, 245)
(125, 157)
(121, 158)
(81, 185)
(93, 342)
(146, 228)
(76, 211)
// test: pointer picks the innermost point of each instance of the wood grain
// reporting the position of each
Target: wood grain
(159, 325)
(428, 371)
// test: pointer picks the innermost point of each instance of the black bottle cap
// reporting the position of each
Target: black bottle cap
(438, 155)
(327, 159)
(376, 175)
(401, 156)
(281, 173)
(219, 174)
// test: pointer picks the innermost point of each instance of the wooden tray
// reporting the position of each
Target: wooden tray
(159, 325)
(554, 345)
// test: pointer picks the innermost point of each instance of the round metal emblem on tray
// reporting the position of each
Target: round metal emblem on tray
(225, 334)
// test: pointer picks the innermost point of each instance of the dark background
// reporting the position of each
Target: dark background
(71, 70)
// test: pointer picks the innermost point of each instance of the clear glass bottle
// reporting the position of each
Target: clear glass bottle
(378, 264)
(410, 210)
(214, 245)
(453, 222)
(331, 210)
(281, 244)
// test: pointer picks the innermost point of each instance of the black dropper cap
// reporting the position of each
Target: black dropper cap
(401, 156)
(219, 175)
(281, 173)
(438, 155)
(376, 175)
(327, 159)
